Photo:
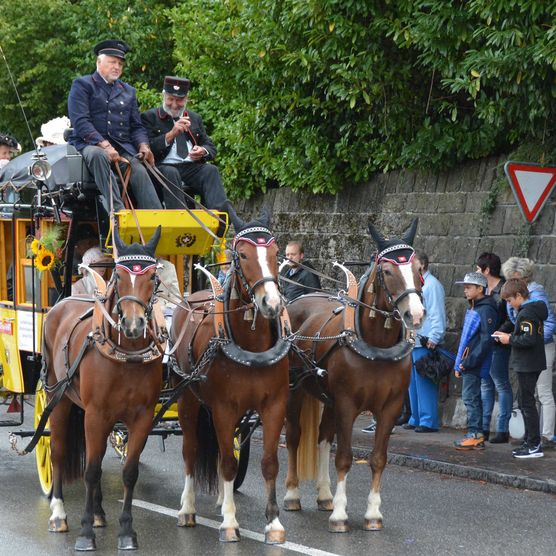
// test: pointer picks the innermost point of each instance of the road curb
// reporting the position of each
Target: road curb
(464, 471)
(453, 469)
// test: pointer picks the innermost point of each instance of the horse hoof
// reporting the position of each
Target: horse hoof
(229, 534)
(85, 544)
(293, 505)
(186, 520)
(128, 542)
(58, 525)
(99, 520)
(275, 537)
(338, 526)
(374, 524)
(325, 505)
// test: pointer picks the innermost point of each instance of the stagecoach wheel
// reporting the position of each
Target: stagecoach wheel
(42, 449)
(118, 440)
(242, 455)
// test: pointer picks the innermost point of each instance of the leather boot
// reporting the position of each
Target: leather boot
(486, 434)
(405, 414)
(500, 438)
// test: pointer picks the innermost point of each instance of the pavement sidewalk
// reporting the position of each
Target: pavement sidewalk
(435, 452)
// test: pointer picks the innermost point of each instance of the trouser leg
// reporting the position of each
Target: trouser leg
(471, 395)
(499, 373)
(174, 197)
(205, 180)
(527, 383)
(98, 163)
(142, 187)
(487, 401)
(427, 394)
(546, 395)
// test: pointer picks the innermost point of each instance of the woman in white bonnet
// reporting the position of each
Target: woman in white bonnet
(92, 257)
(53, 132)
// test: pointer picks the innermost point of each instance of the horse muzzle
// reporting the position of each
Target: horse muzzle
(133, 328)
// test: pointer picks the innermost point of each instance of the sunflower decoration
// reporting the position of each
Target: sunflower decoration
(44, 248)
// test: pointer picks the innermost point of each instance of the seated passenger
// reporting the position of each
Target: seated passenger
(182, 148)
(107, 127)
(8, 148)
(98, 261)
(53, 132)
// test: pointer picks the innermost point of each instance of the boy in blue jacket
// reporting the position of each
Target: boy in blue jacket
(475, 355)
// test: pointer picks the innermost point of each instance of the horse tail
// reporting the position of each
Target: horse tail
(307, 454)
(206, 463)
(74, 462)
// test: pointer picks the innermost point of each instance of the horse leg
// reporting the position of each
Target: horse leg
(138, 434)
(385, 420)
(96, 435)
(326, 436)
(99, 516)
(292, 500)
(273, 418)
(58, 522)
(188, 412)
(345, 416)
(224, 422)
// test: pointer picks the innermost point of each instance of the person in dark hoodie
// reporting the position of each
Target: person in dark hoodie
(475, 355)
(527, 358)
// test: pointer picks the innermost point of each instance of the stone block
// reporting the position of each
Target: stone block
(406, 181)
(513, 220)
(452, 203)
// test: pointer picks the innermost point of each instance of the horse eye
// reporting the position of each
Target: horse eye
(243, 255)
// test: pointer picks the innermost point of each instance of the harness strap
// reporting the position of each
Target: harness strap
(59, 390)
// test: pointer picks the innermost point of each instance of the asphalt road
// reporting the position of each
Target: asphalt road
(424, 513)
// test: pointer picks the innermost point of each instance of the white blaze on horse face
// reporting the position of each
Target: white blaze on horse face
(270, 287)
(415, 306)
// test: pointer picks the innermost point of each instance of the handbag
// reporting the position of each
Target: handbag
(435, 366)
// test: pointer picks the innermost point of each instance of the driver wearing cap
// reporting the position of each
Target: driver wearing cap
(107, 127)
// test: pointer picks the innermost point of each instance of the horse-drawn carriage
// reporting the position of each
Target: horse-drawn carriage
(234, 347)
(50, 194)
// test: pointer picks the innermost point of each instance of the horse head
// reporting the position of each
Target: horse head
(399, 275)
(255, 262)
(135, 283)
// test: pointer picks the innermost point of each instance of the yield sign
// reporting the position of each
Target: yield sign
(532, 186)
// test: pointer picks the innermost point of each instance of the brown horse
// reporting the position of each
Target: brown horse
(355, 356)
(235, 339)
(109, 371)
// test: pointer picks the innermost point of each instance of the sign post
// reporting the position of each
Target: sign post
(532, 185)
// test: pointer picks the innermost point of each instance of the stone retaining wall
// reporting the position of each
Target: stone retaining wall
(452, 230)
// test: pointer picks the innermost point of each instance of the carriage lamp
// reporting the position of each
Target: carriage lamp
(40, 168)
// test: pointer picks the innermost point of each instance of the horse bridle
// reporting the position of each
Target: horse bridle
(144, 263)
(394, 301)
(236, 264)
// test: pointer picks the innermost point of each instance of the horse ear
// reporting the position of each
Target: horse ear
(237, 222)
(409, 235)
(377, 236)
(264, 217)
(120, 245)
(153, 242)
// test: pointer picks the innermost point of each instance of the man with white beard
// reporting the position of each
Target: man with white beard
(182, 148)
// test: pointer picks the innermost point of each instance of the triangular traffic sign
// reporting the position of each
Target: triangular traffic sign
(532, 185)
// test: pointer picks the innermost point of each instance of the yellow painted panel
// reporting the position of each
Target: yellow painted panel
(9, 354)
(181, 233)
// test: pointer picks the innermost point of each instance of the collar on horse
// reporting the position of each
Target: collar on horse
(398, 255)
(102, 321)
(222, 329)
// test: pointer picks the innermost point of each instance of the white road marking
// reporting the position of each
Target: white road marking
(302, 549)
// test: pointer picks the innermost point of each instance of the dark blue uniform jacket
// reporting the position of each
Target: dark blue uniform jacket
(100, 111)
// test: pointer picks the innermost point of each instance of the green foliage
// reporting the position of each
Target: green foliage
(311, 94)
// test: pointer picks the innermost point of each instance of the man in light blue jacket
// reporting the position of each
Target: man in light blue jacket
(423, 393)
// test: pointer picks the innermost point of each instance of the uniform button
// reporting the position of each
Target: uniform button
(109, 123)
(122, 113)
(110, 111)
(121, 123)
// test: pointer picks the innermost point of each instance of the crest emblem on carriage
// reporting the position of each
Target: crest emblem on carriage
(176, 87)
(186, 240)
